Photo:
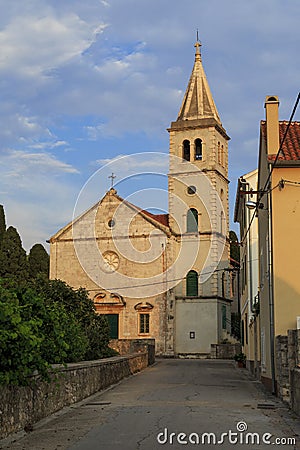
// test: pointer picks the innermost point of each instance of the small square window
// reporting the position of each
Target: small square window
(144, 323)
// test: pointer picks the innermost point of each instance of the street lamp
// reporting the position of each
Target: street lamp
(252, 205)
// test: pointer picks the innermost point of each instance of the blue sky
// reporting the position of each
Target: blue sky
(84, 82)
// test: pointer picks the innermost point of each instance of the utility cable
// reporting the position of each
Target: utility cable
(116, 289)
(264, 191)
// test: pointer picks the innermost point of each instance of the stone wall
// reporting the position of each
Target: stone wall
(21, 407)
(288, 368)
(129, 346)
(295, 390)
(225, 351)
(282, 368)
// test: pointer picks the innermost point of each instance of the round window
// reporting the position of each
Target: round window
(111, 261)
(111, 223)
(191, 190)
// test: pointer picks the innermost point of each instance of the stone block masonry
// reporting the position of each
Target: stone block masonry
(288, 368)
(129, 346)
(225, 351)
(21, 407)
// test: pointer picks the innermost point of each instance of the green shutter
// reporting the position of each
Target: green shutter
(113, 322)
(192, 284)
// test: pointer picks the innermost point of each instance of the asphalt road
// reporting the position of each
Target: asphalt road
(174, 404)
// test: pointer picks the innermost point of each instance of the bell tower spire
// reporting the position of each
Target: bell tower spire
(199, 214)
(198, 102)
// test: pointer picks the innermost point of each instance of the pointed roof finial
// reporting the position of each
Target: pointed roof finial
(197, 46)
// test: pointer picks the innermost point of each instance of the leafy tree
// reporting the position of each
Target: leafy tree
(2, 223)
(98, 335)
(13, 259)
(62, 338)
(34, 335)
(45, 322)
(20, 343)
(38, 260)
(234, 246)
(78, 304)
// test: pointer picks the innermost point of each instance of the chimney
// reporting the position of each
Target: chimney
(272, 124)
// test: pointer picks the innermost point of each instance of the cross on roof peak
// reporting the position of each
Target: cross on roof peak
(112, 176)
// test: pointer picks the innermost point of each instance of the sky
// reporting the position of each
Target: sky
(83, 83)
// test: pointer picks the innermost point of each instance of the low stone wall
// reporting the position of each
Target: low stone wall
(225, 351)
(288, 368)
(129, 346)
(21, 407)
(295, 390)
(282, 368)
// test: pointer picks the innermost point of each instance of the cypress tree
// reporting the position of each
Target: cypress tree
(38, 260)
(234, 246)
(2, 223)
(13, 258)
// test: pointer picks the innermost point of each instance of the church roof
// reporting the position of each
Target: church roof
(163, 219)
(198, 102)
(160, 221)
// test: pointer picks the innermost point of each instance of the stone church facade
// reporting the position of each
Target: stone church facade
(162, 276)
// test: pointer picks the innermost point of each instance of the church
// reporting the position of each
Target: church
(162, 276)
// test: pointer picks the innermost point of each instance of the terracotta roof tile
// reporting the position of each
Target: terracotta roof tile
(291, 146)
(161, 218)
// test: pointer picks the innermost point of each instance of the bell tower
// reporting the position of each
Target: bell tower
(199, 215)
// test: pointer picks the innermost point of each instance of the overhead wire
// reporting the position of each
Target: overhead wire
(113, 289)
(262, 193)
(264, 190)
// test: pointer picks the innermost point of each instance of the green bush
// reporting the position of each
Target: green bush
(47, 322)
(63, 339)
(78, 304)
(20, 342)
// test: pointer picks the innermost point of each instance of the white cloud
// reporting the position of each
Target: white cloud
(17, 127)
(21, 169)
(48, 145)
(146, 161)
(33, 44)
(104, 72)
(38, 193)
(38, 220)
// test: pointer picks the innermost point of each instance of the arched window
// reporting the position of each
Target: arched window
(198, 150)
(192, 221)
(186, 150)
(192, 284)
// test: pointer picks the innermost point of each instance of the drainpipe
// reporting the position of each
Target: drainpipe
(271, 290)
(250, 278)
(165, 296)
